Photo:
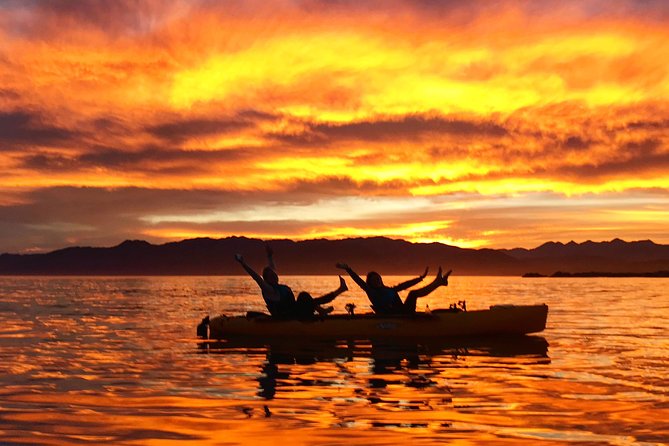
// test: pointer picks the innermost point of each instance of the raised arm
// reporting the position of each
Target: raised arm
(411, 282)
(356, 278)
(264, 286)
(270, 256)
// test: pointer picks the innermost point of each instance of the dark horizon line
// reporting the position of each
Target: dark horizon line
(550, 242)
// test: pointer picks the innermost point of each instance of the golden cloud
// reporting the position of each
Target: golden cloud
(347, 100)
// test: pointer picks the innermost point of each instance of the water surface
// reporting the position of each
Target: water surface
(115, 361)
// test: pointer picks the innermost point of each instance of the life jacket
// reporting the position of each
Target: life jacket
(285, 306)
(385, 300)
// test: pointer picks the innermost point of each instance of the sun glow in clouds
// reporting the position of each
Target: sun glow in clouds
(316, 119)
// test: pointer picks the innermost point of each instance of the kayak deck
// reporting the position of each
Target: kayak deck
(498, 320)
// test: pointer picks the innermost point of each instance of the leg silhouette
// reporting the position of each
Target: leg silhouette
(412, 297)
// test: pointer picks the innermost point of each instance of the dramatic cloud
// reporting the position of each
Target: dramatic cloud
(20, 128)
(179, 130)
(411, 128)
(151, 160)
(464, 122)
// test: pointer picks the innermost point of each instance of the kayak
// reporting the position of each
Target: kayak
(497, 320)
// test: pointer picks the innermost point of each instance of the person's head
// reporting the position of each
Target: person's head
(270, 276)
(374, 279)
(303, 296)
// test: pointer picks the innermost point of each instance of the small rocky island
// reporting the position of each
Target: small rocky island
(598, 274)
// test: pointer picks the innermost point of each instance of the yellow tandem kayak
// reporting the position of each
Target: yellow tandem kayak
(497, 320)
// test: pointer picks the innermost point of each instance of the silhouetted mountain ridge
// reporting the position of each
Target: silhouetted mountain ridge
(642, 250)
(207, 256)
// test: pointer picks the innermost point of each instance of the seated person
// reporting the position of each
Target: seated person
(279, 298)
(385, 299)
(306, 305)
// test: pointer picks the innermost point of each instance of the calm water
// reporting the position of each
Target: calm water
(115, 361)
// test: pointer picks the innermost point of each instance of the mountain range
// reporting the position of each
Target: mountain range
(206, 256)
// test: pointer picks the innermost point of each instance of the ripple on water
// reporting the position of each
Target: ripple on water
(113, 360)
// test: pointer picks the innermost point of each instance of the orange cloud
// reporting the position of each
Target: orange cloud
(315, 102)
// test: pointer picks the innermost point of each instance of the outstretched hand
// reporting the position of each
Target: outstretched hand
(422, 276)
(239, 258)
(342, 265)
(269, 250)
(444, 277)
(324, 311)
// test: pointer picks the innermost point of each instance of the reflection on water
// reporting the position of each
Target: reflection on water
(115, 361)
(415, 366)
(396, 386)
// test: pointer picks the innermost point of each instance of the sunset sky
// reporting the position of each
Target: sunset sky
(478, 123)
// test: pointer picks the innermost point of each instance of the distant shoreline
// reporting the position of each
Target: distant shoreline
(207, 256)
(558, 274)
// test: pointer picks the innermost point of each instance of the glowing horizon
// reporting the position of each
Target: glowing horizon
(428, 121)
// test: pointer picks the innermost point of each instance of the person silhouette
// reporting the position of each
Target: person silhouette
(385, 299)
(306, 305)
(279, 298)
